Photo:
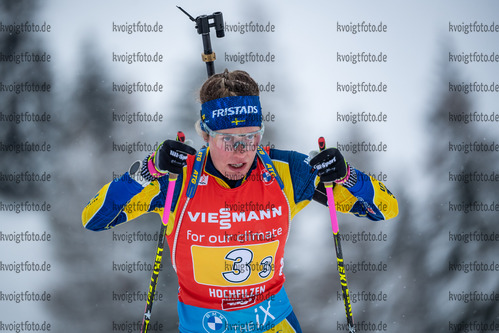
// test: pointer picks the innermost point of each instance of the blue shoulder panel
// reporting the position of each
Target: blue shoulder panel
(196, 171)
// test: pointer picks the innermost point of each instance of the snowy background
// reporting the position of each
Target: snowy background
(424, 286)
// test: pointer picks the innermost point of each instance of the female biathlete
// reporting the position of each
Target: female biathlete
(231, 210)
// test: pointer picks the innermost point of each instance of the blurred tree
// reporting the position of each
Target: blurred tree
(83, 164)
(13, 105)
(441, 251)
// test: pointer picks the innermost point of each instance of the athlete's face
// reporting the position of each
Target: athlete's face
(233, 155)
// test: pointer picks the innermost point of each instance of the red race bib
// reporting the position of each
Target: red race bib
(228, 244)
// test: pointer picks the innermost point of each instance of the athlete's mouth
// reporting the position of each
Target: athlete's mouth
(237, 165)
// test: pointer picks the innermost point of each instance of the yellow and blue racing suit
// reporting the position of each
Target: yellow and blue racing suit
(227, 242)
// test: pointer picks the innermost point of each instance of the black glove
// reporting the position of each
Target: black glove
(171, 156)
(331, 166)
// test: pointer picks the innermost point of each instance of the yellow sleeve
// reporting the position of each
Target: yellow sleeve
(118, 202)
(373, 201)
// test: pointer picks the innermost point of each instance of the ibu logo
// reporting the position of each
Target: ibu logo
(214, 322)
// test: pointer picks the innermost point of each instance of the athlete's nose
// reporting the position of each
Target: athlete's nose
(240, 144)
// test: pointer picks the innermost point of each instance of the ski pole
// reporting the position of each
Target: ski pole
(172, 177)
(337, 246)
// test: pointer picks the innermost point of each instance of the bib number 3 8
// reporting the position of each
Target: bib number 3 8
(234, 265)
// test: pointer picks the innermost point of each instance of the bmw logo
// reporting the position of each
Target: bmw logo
(266, 177)
(214, 322)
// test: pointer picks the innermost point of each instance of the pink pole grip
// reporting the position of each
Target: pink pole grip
(329, 193)
(332, 207)
(172, 178)
(169, 197)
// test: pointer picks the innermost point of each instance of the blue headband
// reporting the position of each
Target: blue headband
(231, 112)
